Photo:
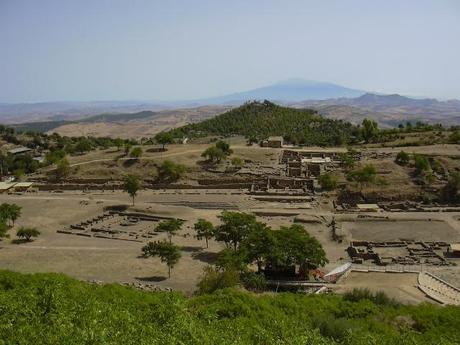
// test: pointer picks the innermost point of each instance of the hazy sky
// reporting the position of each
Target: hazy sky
(167, 50)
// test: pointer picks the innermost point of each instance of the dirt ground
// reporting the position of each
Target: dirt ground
(400, 286)
(421, 230)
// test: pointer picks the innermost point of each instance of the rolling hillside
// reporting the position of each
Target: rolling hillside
(124, 125)
(388, 110)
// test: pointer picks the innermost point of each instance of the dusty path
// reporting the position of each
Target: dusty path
(172, 154)
(145, 158)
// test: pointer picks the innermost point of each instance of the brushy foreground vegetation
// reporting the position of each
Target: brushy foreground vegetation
(54, 309)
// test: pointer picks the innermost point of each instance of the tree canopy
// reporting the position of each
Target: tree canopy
(164, 138)
(370, 129)
(250, 241)
(132, 184)
(170, 226)
(213, 154)
(167, 252)
(169, 171)
(204, 229)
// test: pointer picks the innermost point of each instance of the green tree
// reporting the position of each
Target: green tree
(213, 154)
(132, 185)
(62, 169)
(10, 212)
(451, 191)
(423, 169)
(235, 228)
(83, 145)
(224, 147)
(402, 158)
(327, 181)
(370, 129)
(3, 229)
(54, 156)
(170, 226)
(170, 171)
(167, 252)
(127, 148)
(136, 152)
(27, 233)
(14, 212)
(294, 246)
(258, 244)
(204, 229)
(164, 138)
(235, 260)
(118, 142)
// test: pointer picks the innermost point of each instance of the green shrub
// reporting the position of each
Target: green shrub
(327, 181)
(215, 279)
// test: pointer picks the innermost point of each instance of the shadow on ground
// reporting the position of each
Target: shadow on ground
(206, 257)
(191, 249)
(155, 279)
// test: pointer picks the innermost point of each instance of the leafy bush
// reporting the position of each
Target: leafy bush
(136, 152)
(54, 309)
(170, 171)
(327, 181)
(368, 173)
(378, 298)
(402, 158)
(214, 279)
(27, 233)
(254, 281)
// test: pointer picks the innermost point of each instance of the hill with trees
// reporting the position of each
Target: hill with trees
(259, 120)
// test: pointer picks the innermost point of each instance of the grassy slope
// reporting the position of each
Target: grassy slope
(260, 120)
(54, 309)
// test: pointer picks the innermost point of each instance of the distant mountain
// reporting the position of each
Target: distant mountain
(58, 111)
(124, 125)
(331, 100)
(389, 110)
(292, 90)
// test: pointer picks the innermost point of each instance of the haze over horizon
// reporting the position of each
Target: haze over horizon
(151, 50)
